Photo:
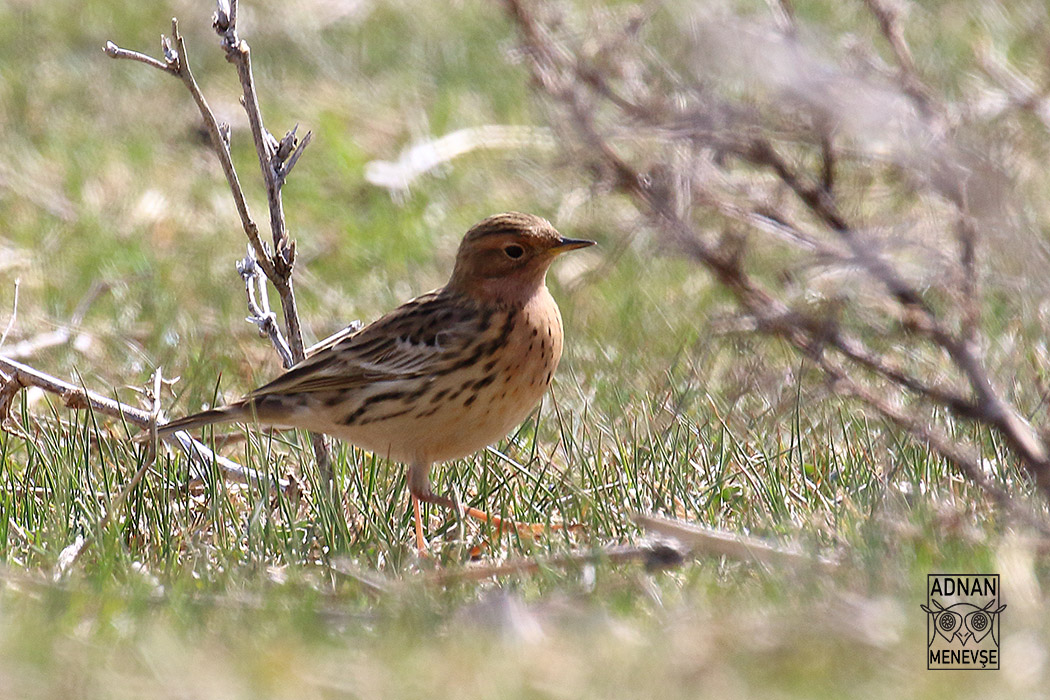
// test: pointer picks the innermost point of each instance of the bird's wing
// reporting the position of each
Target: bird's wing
(416, 339)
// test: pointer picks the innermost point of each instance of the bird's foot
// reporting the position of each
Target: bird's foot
(528, 529)
(500, 524)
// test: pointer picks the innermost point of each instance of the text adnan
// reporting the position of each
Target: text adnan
(964, 586)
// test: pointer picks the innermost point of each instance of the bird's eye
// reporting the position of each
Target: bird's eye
(514, 251)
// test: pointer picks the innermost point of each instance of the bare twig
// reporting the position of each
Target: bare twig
(710, 541)
(827, 168)
(271, 162)
(114, 51)
(276, 160)
(966, 233)
(16, 376)
(261, 316)
(73, 396)
(283, 162)
(239, 54)
(887, 13)
(655, 554)
(177, 63)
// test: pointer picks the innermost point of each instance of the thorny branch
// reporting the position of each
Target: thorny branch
(593, 99)
(276, 160)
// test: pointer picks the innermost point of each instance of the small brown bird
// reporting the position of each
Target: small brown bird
(441, 376)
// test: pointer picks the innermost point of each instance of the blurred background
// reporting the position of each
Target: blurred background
(119, 237)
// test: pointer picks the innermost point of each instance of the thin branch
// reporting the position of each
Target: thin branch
(713, 542)
(278, 266)
(965, 460)
(283, 162)
(991, 408)
(827, 164)
(1022, 92)
(114, 51)
(178, 64)
(239, 54)
(73, 396)
(888, 17)
(271, 162)
(19, 376)
(966, 233)
(14, 314)
(654, 554)
(560, 73)
(261, 316)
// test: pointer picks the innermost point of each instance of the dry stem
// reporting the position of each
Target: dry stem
(276, 160)
(15, 376)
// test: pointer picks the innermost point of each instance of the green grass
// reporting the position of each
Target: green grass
(215, 589)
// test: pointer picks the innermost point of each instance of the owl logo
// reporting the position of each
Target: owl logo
(963, 612)
(963, 621)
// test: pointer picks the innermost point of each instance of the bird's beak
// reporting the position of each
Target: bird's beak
(566, 244)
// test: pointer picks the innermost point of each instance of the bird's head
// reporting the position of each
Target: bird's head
(504, 258)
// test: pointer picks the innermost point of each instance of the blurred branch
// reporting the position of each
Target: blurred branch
(677, 541)
(177, 63)
(582, 86)
(966, 233)
(698, 539)
(276, 160)
(49, 339)
(654, 555)
(783, 12)
(888, 14)
(14, 314)
(1021, 91)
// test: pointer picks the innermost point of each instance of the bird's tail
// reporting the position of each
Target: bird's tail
(226, 414)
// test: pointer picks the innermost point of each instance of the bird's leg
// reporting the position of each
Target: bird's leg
(421, 541)
(419, 487)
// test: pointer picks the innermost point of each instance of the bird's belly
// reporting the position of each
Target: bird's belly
(461, 413)
(450, 429)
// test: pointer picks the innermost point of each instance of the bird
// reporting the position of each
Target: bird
(441, 376)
